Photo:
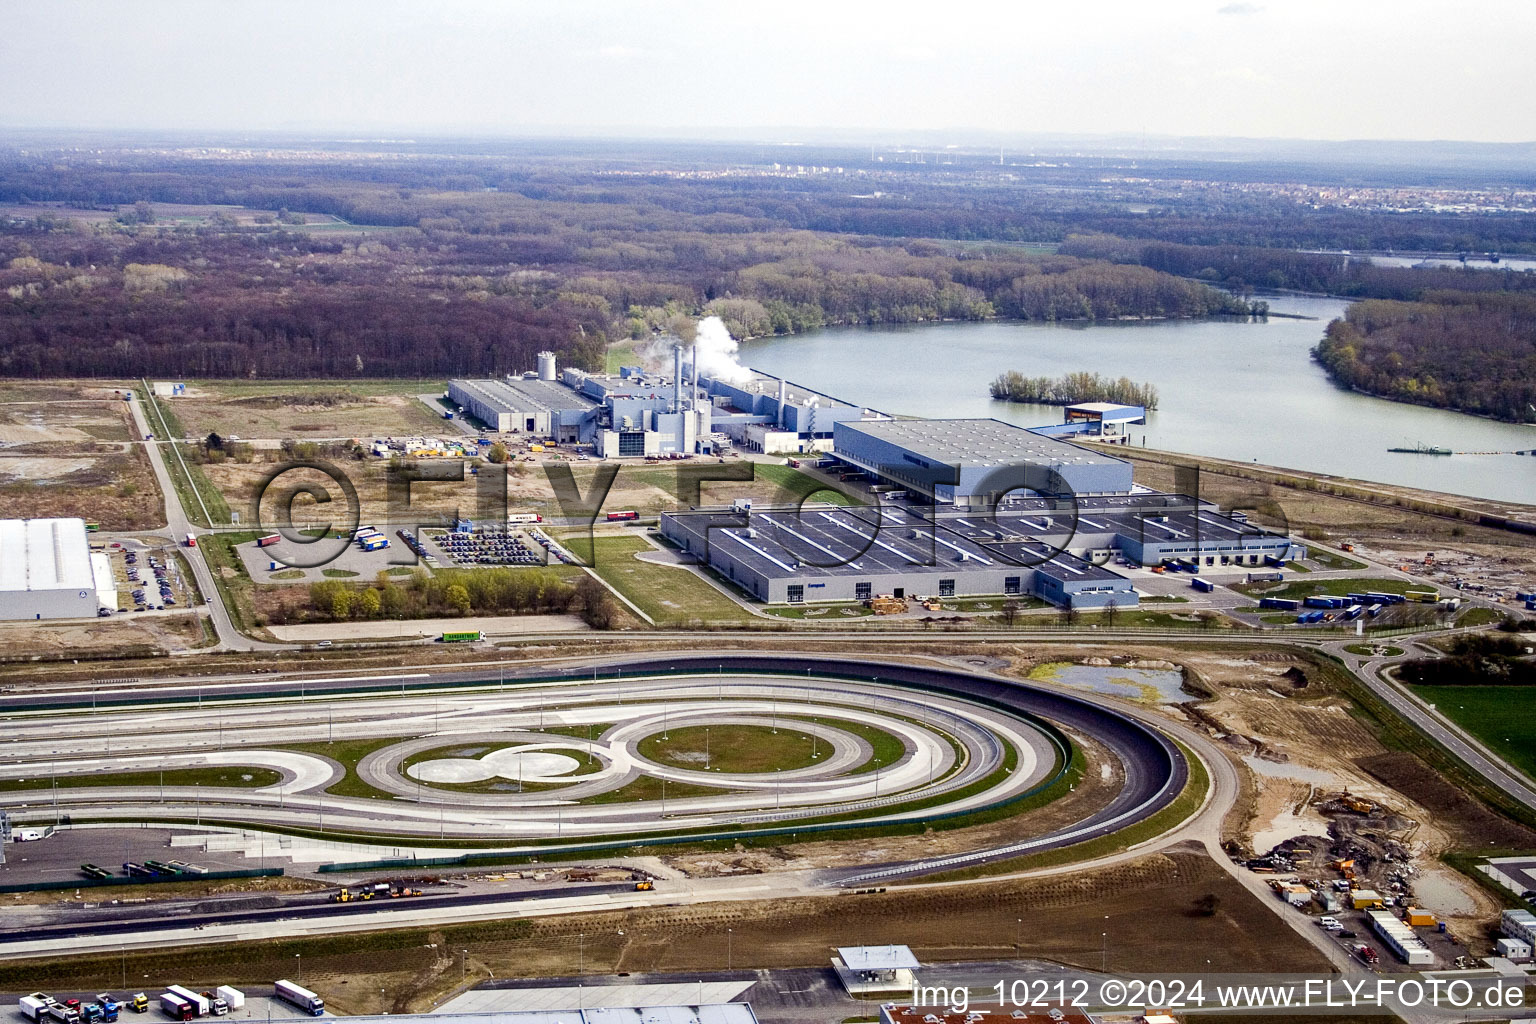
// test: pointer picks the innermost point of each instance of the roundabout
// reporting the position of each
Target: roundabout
(644, 752)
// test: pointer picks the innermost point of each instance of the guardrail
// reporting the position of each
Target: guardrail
(118, 880)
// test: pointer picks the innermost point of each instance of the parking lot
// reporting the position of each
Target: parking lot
(150, 578)
(484, 546)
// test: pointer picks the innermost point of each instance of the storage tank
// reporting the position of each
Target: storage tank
(546, 366)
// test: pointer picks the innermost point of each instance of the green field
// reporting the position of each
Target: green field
(1503, 717)
(1329, 560)
(668, 594)
(242, 778)
(1298, 589)
(733, 748)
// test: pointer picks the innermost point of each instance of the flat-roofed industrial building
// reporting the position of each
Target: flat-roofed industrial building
(529, 405)
(47, 571)
(975, 461)
(825, 553)
(1056, 549)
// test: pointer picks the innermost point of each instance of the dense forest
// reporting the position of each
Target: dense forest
(409, 264)
(1072, 388)
(1470, 351)
(1245, 268)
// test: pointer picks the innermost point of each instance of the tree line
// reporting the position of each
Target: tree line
(1072, 388)
(1245, 268)
(1474, 352)
(491, 591)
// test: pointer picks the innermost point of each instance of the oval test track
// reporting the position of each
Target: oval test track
(1155, 769)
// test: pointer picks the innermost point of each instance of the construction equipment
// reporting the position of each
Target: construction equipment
(645, 886)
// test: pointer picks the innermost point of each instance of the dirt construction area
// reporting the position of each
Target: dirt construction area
(70, 450)
(1163, 912)
(1319, 777)
(298, 409)
(121, 634)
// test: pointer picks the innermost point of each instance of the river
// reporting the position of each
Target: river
(1243, 390)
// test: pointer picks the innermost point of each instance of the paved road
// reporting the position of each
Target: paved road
(1465, 747)
(178, 525)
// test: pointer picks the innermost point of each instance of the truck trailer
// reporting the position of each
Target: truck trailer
(176, 1008)
(231, 996)
(34, 1007)
(199, 1003)
(299, 996)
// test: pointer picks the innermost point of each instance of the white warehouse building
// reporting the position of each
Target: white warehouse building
(47, 571)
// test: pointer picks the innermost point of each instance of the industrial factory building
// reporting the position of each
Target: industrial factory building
(636, 412)
(1056, 549)
(47, 571)
(975, 461)
(762, 413)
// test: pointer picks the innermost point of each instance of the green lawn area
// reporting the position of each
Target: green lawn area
(818, 611)
(1503, 717)
(223, 776)
(1479, 617)
(1370, 650)
(733, 748)
(620, 355)
(348, 753)
(668, 594)
(1334, 588)
(1329, 560)
(648, 787)
(797, 485)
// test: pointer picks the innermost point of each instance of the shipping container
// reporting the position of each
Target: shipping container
(1285, 604)
(1422, 596)
(268, 540)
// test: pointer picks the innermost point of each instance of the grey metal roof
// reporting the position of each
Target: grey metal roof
(45, 554)
(979, 442)
(521, 395)
(877, 958)
(873, 541)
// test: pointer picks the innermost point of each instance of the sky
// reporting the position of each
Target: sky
(1299, 69)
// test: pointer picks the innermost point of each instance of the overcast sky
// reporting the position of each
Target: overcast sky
(1316, 69)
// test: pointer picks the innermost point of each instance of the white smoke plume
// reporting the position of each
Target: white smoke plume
(715, 351)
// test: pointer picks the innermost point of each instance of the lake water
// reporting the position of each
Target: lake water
(1241, 390)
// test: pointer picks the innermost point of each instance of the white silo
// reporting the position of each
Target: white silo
(546, 366)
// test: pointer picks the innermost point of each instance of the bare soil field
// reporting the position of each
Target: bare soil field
(68, 450)
(296, 410)
(125, 633)
(1299, 742)
(1147, 906)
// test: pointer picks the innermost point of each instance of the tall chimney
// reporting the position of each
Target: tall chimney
(783, 397)
(677, 378)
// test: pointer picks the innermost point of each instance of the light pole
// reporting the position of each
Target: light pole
(729, 935)
(581, 953)
(300, 958)
(463, 965)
